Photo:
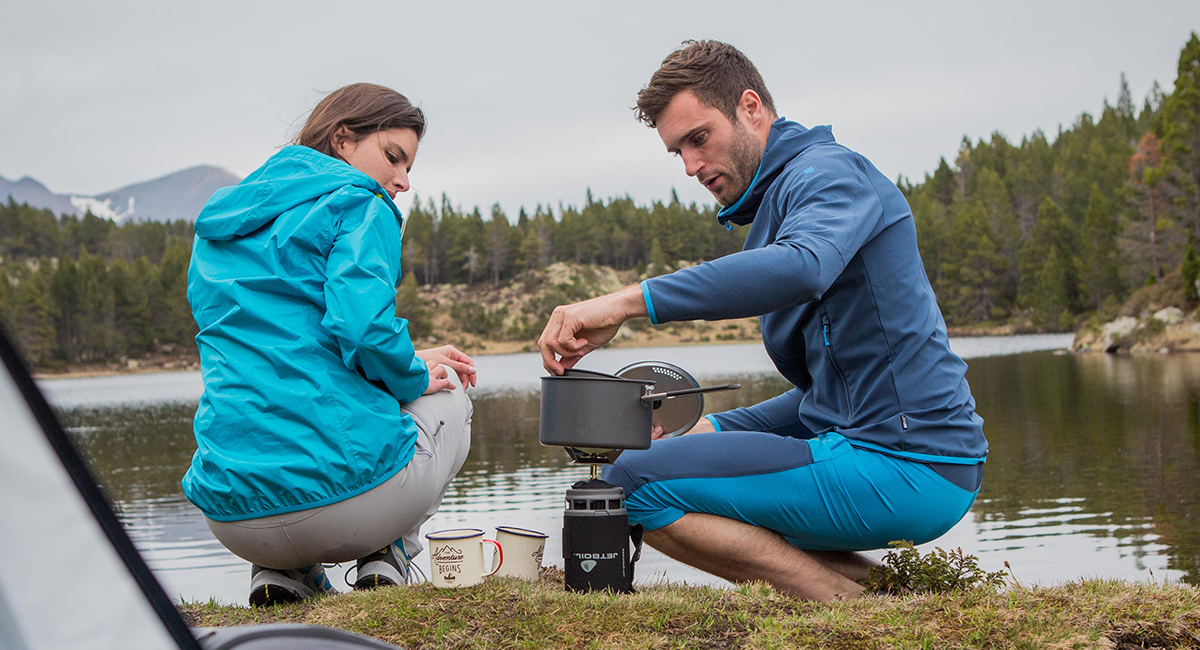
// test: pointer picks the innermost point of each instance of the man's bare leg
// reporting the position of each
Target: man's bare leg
(854, 566)
(740, 552)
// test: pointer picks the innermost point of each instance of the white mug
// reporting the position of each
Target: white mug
(456, 557)
(525, 549)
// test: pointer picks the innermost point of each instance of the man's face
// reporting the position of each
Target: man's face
(722, 155)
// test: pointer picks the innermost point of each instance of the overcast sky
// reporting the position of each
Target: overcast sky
(530, 102)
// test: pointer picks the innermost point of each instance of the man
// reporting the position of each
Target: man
(878, 440)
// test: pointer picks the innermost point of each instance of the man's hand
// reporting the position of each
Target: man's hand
(448, 355)
(703, 426)
(575, 330)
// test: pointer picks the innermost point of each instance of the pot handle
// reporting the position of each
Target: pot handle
(654, 397)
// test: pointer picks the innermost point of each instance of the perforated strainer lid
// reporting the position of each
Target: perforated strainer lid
(675, 415)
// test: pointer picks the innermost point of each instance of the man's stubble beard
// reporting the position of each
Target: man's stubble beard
(745, 155)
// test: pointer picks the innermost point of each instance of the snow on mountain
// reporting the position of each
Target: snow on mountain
(180, 195)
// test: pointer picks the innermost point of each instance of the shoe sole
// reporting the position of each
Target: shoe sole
(372, 582)
(273, 588)
(375, 575)
(269, 595)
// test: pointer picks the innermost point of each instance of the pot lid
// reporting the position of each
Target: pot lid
(579, 373)
(675, 415)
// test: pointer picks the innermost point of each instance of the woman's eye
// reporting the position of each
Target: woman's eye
(391, 157)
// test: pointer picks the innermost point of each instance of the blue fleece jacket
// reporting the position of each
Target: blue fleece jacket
(831, 268)
(305, 363)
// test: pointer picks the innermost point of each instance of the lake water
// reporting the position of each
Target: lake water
(1092, 469)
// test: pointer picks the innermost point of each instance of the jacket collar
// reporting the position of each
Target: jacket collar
(785, 141)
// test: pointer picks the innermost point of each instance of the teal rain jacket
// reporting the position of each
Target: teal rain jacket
(305, 363)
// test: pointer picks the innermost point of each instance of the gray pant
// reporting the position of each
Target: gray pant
(393, 511)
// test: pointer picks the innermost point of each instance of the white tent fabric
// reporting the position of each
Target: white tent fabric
(61, 580)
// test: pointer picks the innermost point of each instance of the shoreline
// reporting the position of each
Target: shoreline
(184, 362)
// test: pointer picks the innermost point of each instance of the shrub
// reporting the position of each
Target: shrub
(906, 571)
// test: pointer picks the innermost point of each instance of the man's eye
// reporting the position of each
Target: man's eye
(700, 138)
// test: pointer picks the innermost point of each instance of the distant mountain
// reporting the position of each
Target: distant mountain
(34, 193)
(175, 196)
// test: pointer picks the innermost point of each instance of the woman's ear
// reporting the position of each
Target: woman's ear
(342, 141)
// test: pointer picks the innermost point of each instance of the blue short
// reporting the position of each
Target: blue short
(821, 494)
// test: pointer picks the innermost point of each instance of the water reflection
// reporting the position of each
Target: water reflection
(1102, 445)
(1091, 472)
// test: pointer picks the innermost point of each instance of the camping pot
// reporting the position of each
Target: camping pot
(588, 409)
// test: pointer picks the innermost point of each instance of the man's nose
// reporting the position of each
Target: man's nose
(692, 163)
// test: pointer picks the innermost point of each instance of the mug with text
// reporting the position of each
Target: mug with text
(456, 557)
(525, 549)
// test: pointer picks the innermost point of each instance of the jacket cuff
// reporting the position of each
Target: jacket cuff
(649, 302)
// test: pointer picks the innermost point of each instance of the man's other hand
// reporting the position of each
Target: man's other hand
(703, 426)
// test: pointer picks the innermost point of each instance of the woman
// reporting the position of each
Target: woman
(322, 435)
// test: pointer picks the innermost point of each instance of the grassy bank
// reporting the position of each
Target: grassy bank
(507, 613)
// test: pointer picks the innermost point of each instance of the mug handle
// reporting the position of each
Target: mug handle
(498, 556)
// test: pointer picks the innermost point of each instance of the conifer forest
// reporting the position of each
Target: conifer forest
(1044, 232)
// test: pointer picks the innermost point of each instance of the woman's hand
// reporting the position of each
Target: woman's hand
(439, 378)
(448, 355)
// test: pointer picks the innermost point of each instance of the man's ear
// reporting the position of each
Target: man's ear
(752, 104)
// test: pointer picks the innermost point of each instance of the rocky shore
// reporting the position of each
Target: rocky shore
(1157, 319)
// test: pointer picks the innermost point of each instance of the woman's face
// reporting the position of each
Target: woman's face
(387, 156)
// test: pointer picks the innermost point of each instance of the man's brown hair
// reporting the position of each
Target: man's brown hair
(717, 73)
(363, 109)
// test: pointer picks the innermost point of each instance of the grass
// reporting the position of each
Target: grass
(508, 613)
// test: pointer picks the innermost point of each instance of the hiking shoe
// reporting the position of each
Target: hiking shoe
(276, 586)
(384, 568)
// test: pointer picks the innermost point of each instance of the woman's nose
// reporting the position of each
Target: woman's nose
(401, 181)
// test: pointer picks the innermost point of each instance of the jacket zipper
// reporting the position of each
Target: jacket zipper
(833, 361)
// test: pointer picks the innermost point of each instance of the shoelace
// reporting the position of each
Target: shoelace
(409, 578)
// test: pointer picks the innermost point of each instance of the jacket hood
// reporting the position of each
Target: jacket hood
(293, 176)
(785, 141)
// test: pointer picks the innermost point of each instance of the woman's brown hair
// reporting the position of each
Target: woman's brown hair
(363, 109)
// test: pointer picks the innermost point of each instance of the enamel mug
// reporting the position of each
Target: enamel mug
(456, 557)
(523, 554)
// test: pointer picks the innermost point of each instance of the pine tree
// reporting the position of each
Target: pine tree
(1150, 238)
(131, 309)
(973, 270)
(1190, 269)
(1125, 111)
(174, 323)
(1053, 233)
(943, 182)
(411, 307)
(1004, 233)
(34, 313)
(1099, 258)
(497, 243)
(929, 216)
(1050, 299)
(1179, 126)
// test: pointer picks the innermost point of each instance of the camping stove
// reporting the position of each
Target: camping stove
(596, 416)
